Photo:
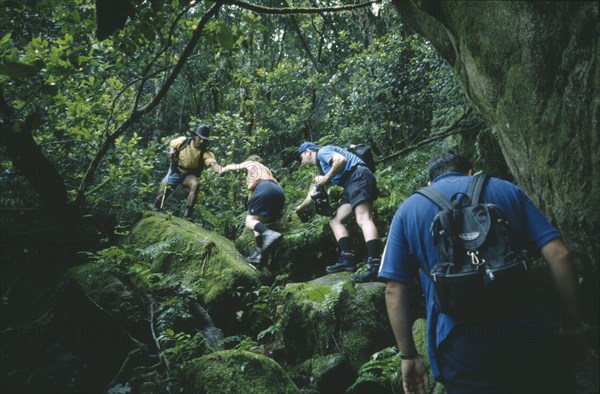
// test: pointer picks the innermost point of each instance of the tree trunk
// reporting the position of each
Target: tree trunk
(29, 161)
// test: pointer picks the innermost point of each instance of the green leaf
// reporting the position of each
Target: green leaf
(226, 37)
(5, 39)
(50, 90)
(17, 70)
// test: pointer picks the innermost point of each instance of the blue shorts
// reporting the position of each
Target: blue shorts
(360, 186)
(176, 178)
(267, 200)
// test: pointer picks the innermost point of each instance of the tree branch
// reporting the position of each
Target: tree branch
(137, 114)
(450, 130)
(296, 10)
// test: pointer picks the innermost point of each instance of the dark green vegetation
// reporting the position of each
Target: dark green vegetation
(93, 298)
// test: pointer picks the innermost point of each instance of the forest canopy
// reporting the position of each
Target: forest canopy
(102, 110)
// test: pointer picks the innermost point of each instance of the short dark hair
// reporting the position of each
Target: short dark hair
(448, 161)
(256, 158)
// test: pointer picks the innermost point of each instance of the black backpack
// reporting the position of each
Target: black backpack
(481, 274)
(365, 153)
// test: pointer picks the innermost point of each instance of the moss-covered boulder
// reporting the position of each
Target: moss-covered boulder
(332, 315)
(235, 371)
(382, 373)
(202, 261)
(325, 374)
(304, 250)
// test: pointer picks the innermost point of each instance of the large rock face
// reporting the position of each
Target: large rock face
(532, 69)
(331, 315)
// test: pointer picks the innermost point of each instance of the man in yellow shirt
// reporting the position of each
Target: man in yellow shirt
(187, 156)
(265, 203)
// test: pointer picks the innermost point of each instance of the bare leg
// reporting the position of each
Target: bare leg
(191, 182)
(364, 219)
(337, 222)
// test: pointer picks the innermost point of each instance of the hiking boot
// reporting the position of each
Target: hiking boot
(255, 257)
(346, 262)
(269, 238)
(188, 213)
(369, 274)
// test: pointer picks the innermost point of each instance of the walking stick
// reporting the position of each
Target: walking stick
(166, 185)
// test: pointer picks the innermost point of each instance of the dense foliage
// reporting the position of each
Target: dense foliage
(102, 111)
(264, 83)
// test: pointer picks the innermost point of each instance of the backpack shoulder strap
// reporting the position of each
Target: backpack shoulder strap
(476, 187)
(319, 168)
(203, 150)
(185, 143)
(435, 196)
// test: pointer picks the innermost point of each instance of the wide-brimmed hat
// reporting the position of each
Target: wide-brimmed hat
(202, 131)
(304, 147)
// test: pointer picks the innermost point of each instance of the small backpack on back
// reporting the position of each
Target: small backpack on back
(365, 153)
(480, 273)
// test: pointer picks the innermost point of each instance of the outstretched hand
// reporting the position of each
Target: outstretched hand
(320, 180)
(415, 376)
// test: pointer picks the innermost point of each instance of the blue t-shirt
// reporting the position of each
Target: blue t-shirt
(325, 155)
(410, 243)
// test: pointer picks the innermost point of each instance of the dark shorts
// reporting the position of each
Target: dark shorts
(176, 178)
(361, 186)
(502, 358)
(267, 200)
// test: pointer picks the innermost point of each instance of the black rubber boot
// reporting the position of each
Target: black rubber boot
(370, 273)
(255, 257)
(270, 237)
(346, 262)
(188, 213)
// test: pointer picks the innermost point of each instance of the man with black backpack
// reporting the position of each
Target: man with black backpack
(487, 329)
(187, 158)
(345, 169)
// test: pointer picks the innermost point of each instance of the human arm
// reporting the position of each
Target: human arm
(173, 149)
(232, 167)
(565, 277)
(338, 163)
(171, 154)
(211, 161)
(307, 201)
(215, 167)
(415, 376)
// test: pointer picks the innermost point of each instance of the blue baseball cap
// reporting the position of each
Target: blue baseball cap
(304, 147)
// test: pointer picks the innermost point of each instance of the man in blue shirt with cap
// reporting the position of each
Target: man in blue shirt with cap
(345, 169)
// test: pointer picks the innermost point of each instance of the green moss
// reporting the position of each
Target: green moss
(327, 374)
(331, 315)
(197, 259)
(106, 291)
(235, 371)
